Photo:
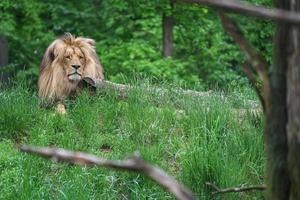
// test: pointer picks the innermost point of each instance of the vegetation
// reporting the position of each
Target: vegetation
(196, 140)
(129, 38)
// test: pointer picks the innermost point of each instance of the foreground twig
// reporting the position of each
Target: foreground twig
(256, 11)
(134, 163)
(235, 189)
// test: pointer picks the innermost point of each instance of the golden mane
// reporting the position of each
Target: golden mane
(54, 83)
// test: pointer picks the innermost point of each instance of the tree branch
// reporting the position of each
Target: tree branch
(250, 74)
(252, 56)
(278, 15)
(134, 163)
(235, 189)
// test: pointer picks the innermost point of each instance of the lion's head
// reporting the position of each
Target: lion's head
(66, 61)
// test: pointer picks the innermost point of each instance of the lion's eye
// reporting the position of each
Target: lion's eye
(68, 57)
(81, 57)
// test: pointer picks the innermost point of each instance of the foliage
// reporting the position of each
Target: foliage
(195, 140)
(129, 37)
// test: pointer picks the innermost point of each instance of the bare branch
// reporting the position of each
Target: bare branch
(250, 74)
(235, 189)
(256, 11)
(252, 56)
(134, 163)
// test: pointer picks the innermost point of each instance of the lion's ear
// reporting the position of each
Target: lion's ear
(48, 57)
(88, 41)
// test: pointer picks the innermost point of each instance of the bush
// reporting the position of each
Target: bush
(129, 38)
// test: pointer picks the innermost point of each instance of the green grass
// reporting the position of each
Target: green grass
(196, 140)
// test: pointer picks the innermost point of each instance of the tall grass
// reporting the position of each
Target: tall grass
(197, 140)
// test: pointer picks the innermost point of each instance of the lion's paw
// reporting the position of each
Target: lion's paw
(60, 109)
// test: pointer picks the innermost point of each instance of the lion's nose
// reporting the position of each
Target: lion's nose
(76, 66)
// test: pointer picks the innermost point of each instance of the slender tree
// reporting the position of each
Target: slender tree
(167, 26)
(293, 105)
(3, 56)
(277, 178)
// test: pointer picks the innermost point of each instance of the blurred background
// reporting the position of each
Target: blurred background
(165, 40)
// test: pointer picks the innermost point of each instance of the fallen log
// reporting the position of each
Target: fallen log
(123, 89)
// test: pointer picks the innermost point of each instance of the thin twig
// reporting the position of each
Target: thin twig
(278, 15)
(259, 64)
(235, 189)
(134, 163)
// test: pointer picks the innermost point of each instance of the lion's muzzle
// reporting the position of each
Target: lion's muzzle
(75, 75)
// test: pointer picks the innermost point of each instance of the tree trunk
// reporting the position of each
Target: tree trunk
(167, 36)
(293, 106)
(3, 57)
(276, 119)
(167, 26)
(278, 182)
(283, 119)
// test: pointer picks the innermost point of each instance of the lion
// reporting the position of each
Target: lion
(65, 63)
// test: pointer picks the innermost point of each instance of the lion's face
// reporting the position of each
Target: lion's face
(74, 63)
(66, 61)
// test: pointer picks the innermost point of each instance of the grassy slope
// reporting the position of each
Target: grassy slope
(195, 140)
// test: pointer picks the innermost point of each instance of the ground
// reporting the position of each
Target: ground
(196, 140)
